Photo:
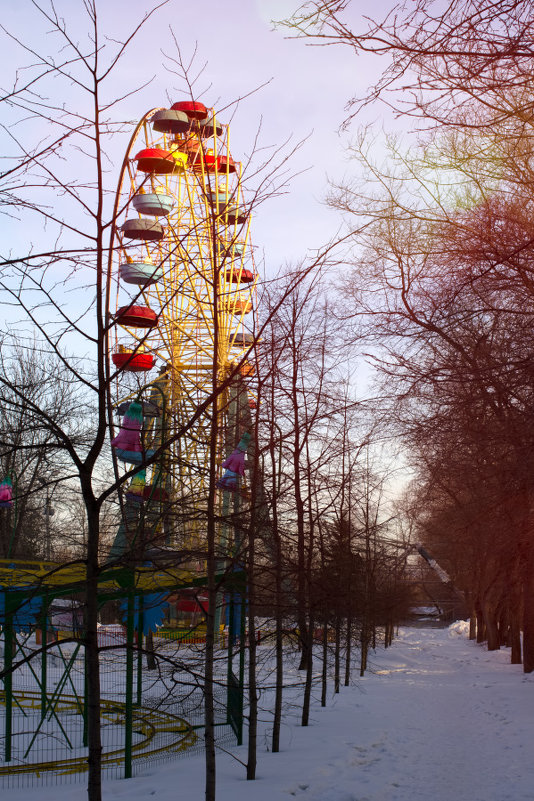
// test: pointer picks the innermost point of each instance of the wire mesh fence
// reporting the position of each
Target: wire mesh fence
(43, 723)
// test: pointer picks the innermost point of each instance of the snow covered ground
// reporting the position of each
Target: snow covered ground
(437, 718)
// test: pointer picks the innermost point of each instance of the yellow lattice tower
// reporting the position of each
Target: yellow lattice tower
(184, 280)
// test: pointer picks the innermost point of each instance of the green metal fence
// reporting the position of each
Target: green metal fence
(147, 715)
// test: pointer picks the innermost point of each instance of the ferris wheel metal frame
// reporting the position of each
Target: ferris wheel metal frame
(181, 282)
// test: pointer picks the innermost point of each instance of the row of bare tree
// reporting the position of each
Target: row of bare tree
(443, 281)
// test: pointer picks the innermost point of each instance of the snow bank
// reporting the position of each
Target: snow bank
(459, 629)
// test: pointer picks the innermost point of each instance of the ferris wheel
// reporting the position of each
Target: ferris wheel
(181, 289)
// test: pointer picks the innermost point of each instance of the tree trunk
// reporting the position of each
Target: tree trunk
(279, 644)
(348, 652)
(211, 616)
(279, 653)
(302, 575)
(209, 711)
(252, 694)
(472, 625)
(528, 617)
(324, 674)
(309, 677)
(388, 633)
(150, 655)
(492, 631)
(279, 685)
(515, 639)
(481, 626)
(337, 654)
(92, 659)
(364, 646)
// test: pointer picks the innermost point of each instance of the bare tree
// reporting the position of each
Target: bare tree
(438, 58)
(443, 287)
(29, 451)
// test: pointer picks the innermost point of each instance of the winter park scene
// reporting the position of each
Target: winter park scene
(267, 400)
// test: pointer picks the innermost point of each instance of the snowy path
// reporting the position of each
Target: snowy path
(440, 719)
(437, 719)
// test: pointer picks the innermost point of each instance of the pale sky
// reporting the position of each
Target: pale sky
(306, 96)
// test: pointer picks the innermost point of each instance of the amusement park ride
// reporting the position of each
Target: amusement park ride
(180, 292)
(181, 283)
